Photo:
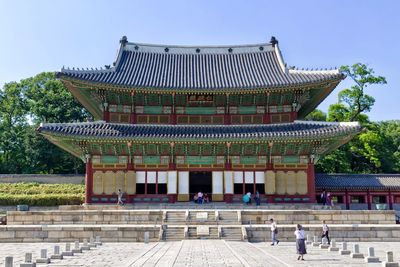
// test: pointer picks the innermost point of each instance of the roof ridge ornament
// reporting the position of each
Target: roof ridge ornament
(273, 41)
(124, 40)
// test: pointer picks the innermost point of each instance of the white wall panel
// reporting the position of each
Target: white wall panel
(183, 181)
(249, 177)
(162, 177)
(238, 177)
(140, 177)
(260, 177)
(172, 182)
(217, 182)
(151, 177)
(228, 175)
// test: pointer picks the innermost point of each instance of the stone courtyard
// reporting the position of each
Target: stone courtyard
(199, 253)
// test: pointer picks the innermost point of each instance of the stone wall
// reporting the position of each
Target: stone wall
(345, 232)
(123, 216)
(62, 217)
(316, 216)
(43, 178)
(71, 233)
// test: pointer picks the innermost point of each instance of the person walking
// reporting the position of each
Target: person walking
(323, 198)
(120, 194)
(300, 244)
(274, 232)
(325, 232)
(257, 198)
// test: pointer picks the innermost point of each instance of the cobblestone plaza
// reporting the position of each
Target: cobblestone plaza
(199, 253)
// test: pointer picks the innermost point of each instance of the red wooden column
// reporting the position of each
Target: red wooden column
(390, 200)
(88, 180)
(106, 113)
(311, 182)
(173, 109)
(266, 118)
(369, 199)
(133, 111)
(347, 200)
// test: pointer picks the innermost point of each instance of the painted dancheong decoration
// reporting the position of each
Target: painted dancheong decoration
(175, 120)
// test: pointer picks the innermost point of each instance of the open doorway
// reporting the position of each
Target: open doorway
(200, 181)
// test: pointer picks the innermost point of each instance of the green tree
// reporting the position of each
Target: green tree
(316, 115)
(354, 101)
(23, 106)
(365, 152)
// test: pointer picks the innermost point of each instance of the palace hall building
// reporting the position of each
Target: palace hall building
(171, 121)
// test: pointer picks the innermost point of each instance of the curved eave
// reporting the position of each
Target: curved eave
(132, 88)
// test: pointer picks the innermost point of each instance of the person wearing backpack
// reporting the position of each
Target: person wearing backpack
(274, 232)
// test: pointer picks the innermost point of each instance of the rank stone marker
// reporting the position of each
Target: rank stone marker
(308, 242)
(28, 261)
(146, 237)
(57, 255)
(371, 256)
(389, 260)
(333, 246)
(315, 243)
(98, 240)
(356, 252)
(344, 250)
(67, 251)
(43, 257)
(9, 262)
(85, 245)
(76, 248)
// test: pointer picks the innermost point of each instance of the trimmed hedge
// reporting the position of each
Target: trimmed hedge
(36, 188)
(35, 194)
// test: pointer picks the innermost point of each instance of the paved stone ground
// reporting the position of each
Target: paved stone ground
(198, 253)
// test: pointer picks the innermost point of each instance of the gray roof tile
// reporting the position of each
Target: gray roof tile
(357, 181)
(298, 129)
(245, 67)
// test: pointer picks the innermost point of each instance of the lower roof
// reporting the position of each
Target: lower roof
(357, 181)
(295, 130)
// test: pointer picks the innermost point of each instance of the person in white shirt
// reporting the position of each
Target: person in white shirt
(274, 232)
(325, 232)
(300, 244)
(120, 194)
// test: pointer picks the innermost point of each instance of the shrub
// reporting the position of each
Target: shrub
(35, 194)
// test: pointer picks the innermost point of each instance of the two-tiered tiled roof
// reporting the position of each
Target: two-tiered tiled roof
(357, 181)
(199, 68)
(296, 130)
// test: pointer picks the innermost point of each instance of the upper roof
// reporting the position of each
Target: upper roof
(357, 181)
(296, 130)
(256, 66)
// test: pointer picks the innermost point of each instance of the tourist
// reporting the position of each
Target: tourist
(120, 194)
(300, 244)
(323, 197)
(200, 197)
(325, 232)
(257, 198)
(274, 232)
(206, 199)
(195, 198)
(246, 199)
(329, 200)
(249, 195)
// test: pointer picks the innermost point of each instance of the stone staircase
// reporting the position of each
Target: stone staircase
(231, 233)
(228, 217)
(174, 233)
(198, 217)
(192, 233)
(176, 217)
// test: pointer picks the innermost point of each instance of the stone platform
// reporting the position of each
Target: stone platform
(123, 225)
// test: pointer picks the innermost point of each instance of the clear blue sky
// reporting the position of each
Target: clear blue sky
(41, 35)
